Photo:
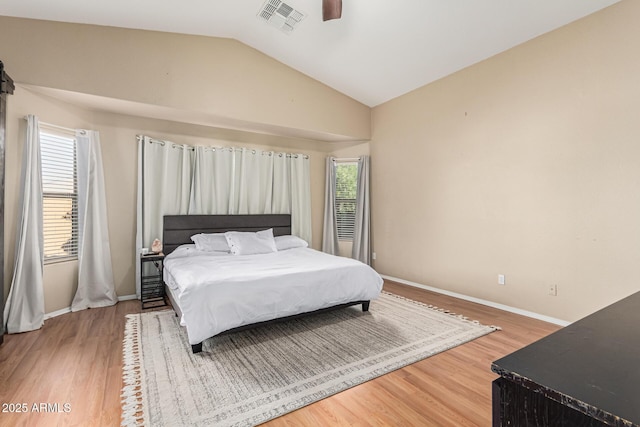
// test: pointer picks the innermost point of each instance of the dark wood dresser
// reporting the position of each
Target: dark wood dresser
(586, 374)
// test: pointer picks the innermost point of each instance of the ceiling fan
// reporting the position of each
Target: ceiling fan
(331, 9)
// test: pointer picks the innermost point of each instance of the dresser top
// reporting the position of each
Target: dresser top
(592, 365)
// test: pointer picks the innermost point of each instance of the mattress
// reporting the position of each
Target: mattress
(218, 291)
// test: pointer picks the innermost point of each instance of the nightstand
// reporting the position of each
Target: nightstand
(151, 282)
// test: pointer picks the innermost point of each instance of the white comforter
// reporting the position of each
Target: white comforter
(220, 292)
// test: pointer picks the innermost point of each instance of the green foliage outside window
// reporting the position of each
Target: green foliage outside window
(346, 187)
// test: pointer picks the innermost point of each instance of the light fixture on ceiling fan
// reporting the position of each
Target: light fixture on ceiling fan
(331, 9)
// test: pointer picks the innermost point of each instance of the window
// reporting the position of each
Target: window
(346, 185)
(59, 195)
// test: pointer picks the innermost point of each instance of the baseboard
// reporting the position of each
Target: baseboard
(481, 301)
(68, 309)
(57, 313)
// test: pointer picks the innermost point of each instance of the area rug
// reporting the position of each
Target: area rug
(252, 376)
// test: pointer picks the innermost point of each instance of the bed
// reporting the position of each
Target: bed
(215, 292)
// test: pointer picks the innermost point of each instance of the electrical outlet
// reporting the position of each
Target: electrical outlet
(553, 290)
(373, 255)
(500, 279)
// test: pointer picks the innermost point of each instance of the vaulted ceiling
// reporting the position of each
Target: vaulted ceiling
(377, 51)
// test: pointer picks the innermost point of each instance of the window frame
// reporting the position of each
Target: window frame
(50, 135)
(345, 233)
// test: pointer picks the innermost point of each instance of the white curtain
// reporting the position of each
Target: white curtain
(281, 199)
(253, 183)
(165, 173)
(167, 180)
(239, 181)
(330, 230)
(96, 286)
(212, 171)
(139, 215)
(24, 310)
(300, 197)
(179, 179)
(361, 249)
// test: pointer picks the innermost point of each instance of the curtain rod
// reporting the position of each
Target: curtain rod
(192, 147)
(346, 159)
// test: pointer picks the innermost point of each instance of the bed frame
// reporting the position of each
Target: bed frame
(178, 229)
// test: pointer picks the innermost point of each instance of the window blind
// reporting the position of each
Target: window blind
(346, 186)
(59, 196)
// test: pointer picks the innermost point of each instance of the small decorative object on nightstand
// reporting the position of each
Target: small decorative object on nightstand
(156, 246)
(151, 282)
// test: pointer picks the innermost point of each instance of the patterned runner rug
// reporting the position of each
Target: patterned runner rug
(249, 377)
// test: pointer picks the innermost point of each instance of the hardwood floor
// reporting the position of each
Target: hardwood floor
(76, 360)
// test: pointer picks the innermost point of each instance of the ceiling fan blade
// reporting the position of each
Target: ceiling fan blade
(331, 9)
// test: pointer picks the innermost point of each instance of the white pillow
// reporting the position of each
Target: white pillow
(290, 242)
(182, 250)
(212, 242)
(248, 243)
(190, 250)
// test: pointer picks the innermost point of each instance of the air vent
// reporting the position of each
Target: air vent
(280, 15)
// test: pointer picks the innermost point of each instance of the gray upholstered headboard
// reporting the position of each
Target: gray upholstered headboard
(178, 229)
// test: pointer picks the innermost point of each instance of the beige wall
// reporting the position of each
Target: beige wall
(221, 79)
(526, 165)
